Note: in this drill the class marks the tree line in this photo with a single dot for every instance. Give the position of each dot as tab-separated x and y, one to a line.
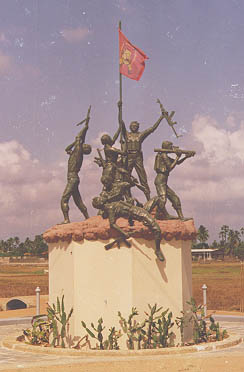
15	248
230	242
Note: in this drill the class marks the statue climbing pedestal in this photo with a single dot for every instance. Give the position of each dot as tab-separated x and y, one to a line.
99	283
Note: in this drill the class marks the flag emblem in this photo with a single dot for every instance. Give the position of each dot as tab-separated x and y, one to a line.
132	59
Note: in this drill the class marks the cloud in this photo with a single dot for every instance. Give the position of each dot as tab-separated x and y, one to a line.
75	35
124	6
19	72
218	143
27	189
3	39
30	191
210	185
96	142
230	121
6	63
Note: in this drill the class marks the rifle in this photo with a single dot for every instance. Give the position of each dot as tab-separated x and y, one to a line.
169	118
120	239
134	182
87	117
100	159
176	150
129	178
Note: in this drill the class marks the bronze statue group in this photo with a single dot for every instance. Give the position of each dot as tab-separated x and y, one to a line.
116	199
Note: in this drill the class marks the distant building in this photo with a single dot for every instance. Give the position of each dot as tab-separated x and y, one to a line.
207	254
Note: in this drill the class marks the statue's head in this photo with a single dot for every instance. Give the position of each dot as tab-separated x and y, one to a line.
134	126
106	140
167	145
98	202
86	149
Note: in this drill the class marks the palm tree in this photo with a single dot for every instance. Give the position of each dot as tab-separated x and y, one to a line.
223	234
242	231
233	241
202	234
28	245
40	246
10	245
2	245
215	245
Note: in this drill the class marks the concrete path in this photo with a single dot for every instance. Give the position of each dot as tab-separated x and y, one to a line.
13	360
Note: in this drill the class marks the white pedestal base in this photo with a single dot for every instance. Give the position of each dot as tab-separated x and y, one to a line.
99	283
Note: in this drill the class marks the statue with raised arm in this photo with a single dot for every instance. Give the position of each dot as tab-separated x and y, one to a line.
163	165
113	206
133	143
111	153
75	150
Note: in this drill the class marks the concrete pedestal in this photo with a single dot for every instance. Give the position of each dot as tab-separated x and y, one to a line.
99	283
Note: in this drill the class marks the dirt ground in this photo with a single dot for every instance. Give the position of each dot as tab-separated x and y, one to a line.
22	280
221	278
225	362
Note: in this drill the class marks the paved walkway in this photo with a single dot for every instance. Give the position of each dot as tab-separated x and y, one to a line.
12	360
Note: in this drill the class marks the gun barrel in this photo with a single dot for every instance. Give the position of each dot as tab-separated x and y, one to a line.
109	245
101	158
87	117
81	122
175	151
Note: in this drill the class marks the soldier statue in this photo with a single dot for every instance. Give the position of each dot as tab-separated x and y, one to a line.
110	165
113	165
75	150
133	141
113	206
163	166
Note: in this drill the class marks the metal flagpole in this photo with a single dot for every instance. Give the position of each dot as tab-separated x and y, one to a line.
122	142
120	75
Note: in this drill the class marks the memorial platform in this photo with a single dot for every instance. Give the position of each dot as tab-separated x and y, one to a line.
99	283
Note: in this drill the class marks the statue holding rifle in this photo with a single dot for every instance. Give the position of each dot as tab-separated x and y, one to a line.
163	166
75	150
133	141
110	163
113	165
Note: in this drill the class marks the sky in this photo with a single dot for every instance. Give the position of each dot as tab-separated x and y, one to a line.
57	57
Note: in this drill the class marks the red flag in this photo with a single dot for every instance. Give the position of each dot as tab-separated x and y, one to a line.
131	58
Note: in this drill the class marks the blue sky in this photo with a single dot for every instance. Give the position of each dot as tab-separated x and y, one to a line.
58	57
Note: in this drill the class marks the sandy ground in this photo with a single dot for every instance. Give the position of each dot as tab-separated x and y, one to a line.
204	363
228	360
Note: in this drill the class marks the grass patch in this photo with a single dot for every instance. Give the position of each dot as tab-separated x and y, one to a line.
223	282
22	269
22	280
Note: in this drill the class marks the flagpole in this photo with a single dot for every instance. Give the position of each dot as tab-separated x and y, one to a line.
120	75
120	95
